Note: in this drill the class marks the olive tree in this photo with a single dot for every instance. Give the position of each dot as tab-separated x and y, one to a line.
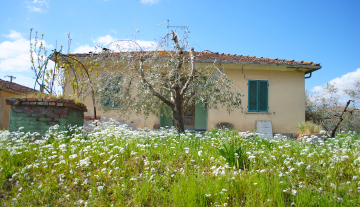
165	77
326	109
354	92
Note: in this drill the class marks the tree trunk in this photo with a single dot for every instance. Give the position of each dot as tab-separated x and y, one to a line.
340	119
178	119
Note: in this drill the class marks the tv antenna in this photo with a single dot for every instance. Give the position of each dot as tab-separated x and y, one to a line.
11	77
167	34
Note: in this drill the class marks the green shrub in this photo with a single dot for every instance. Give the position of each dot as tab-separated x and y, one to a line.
232	151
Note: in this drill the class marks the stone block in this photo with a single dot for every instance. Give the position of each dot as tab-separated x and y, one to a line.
43	103
31	99
63	116
60	111
51	115
69	105
17	110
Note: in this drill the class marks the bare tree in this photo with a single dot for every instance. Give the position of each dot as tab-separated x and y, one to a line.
354	92
326	109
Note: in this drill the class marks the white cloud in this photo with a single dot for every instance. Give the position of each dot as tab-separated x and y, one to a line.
84	49
118	45
37	5
131	45
34	9
13	35
147	45
14	54
25	80
18	63
13	48
348	80
112	30
149	1
107	39
317	89
40	2
344	82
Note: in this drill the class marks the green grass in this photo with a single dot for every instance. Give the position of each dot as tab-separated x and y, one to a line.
113	166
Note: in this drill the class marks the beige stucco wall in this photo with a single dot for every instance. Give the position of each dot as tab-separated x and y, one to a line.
137	122
5	109
286	100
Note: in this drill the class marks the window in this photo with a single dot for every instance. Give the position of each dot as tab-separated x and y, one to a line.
258	95
112	84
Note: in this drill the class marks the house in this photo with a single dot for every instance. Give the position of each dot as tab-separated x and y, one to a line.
10	90
273	89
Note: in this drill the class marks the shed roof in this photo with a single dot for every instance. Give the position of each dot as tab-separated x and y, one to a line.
15	87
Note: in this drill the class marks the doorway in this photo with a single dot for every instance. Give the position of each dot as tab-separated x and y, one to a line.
189	118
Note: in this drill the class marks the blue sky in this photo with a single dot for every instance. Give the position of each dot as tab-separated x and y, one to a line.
326	32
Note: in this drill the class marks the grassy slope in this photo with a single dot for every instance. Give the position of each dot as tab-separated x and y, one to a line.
114	166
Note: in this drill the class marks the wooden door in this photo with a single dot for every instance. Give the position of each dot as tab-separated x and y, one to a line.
189	117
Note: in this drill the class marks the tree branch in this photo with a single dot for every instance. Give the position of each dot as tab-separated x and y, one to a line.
218	68
150	87
191	77
340	119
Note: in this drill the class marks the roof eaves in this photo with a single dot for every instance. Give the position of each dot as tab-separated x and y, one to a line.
210	57
7	89
314	67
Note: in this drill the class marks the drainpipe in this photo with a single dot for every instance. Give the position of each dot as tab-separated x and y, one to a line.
308	76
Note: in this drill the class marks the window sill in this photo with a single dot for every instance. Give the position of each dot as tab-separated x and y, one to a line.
248	112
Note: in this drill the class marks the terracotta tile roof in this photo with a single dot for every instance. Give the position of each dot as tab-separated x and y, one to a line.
15	87
211	56
242	58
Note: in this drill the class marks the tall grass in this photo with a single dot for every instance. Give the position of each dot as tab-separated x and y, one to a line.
308	128
114	166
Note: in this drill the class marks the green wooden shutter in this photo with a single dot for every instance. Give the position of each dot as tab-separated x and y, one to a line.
263	96
253	95
165	120
201	117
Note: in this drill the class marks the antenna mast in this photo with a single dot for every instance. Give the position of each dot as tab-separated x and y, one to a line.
11	77
167	34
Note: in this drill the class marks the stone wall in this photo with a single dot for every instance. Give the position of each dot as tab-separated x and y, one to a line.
38	114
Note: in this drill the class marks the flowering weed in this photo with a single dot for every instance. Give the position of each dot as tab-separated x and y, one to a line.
112	165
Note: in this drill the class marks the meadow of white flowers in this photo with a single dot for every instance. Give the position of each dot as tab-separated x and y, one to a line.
111	165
